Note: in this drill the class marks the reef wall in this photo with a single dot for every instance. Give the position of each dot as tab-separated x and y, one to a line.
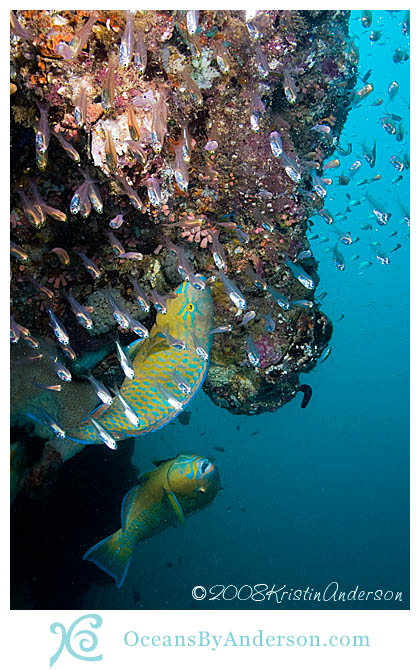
200	139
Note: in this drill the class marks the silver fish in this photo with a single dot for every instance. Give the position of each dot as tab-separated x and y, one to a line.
100	390
252	351
127	408
124	361
104	435
59	330
233	292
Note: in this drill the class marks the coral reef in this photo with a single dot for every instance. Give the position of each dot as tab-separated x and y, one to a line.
209	133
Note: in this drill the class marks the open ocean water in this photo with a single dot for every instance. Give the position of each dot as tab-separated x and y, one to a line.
315	496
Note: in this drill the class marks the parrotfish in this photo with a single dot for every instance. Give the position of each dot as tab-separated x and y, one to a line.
176	488
189	318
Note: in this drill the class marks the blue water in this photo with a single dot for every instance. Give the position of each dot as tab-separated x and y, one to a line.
321	494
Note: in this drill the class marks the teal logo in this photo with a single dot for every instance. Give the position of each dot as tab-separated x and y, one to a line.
84	640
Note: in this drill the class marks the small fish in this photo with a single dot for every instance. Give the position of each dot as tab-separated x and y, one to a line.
279	298
325	354
375	35
110	150
289	87
269	323
199	348
364	264
169	397
398	246
128	410
377	102
379	211
62	255
58	328
252	352
193	17
182	383
276	144
222	58
366	76
322	296
127	40
335	163
299	273
141	297
344	152
62	372
153	191
104	435
80	109
218	252
256	278
131	256
89	265
338	259
173	341
119	314
47	387
306	304
399	135
247	318
159	302
380	253
291	168
131	193
140	52
370	154
366	18
388	125
355	257
33	215
116	244
405	28
221	329
343	180
321	128
393	89
397	163
326	215
47	420
124	361
233	291
82	314
220	449
400	55
18	252
108	86
68	148
43	132
307	394
100	390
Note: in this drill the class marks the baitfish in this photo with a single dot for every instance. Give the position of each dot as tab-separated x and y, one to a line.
189	318
177	488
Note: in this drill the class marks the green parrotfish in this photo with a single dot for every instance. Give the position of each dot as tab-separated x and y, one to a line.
178	487
155	393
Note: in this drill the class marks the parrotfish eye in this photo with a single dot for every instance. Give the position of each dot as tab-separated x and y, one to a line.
190	307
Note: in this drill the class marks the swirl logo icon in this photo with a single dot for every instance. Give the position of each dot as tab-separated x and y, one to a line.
84	640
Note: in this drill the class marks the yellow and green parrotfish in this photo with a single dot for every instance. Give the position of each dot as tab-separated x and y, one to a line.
153	392
163	497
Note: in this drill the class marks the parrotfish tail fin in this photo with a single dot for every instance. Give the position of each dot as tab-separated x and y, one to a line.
113	555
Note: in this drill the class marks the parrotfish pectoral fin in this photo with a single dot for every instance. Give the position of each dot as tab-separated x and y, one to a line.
126	505
133	348
176	507
113	555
